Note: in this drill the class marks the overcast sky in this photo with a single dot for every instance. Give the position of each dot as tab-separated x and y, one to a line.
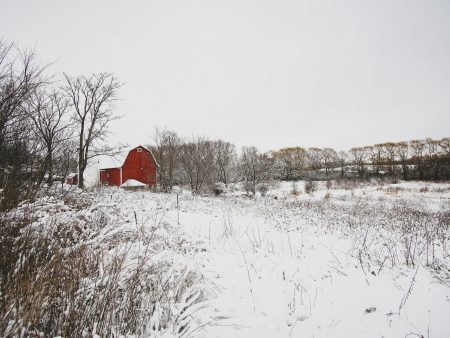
268	73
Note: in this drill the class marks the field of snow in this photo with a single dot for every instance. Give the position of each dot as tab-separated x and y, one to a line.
356	260
302	266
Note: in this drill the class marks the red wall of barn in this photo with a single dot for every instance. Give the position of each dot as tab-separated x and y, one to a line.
139	166
110	176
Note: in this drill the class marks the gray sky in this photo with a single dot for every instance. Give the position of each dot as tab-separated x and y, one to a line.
263	72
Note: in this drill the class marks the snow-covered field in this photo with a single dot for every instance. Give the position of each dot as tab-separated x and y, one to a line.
292	266
363	260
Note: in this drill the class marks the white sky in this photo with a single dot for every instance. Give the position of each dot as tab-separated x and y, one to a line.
263	72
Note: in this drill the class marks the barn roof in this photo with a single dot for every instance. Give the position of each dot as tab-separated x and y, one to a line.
118	159
113	161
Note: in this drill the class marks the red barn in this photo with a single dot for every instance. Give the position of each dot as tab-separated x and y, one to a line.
139	165
72	179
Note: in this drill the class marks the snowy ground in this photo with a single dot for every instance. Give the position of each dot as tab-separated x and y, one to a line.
286	268
351	261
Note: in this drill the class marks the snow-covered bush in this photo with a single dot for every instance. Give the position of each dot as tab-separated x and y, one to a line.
263	188
219	188
248	187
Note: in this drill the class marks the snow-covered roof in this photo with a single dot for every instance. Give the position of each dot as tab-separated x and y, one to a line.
117	160
113	161
132	183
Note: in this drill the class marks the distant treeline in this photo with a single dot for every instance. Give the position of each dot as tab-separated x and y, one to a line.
203	163
417	159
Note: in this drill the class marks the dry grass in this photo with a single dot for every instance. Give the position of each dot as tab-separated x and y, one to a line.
51	285
310	186
384	232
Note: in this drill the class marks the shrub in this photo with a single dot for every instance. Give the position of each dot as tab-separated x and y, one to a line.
219	188
263	188
310	186
248	187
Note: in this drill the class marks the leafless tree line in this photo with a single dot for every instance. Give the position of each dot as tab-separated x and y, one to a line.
202	163
416	159
47	128
197	162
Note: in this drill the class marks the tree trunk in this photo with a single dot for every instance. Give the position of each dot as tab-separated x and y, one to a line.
50	169
81	169
80	178
436	170
420	169
405	172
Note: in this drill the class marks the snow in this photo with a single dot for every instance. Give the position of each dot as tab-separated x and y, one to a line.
116	161
283	265
282	275
133	183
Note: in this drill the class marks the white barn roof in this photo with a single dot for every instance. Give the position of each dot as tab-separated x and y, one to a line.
113	161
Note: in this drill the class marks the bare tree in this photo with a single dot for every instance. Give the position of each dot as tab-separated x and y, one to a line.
418	149
197	163
432	151
342	161
255	167
18	81
375	155
445	146
93	102
49	115
315	158
290	162
330	159
403	153
66	159
389	155
359	157
20	77
225	158
167	144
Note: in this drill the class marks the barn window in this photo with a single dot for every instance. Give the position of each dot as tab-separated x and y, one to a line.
139	150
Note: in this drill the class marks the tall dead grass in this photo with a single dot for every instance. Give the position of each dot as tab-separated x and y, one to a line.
57	280
384	232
